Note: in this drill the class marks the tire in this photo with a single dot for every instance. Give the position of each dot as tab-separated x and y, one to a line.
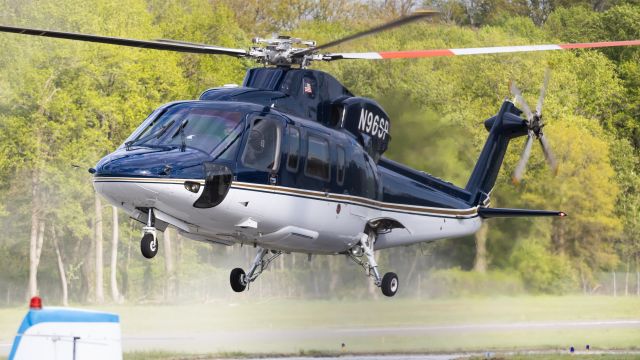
237	280
149	246
389	284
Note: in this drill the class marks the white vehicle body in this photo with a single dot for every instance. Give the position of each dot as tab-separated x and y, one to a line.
281	218
62	333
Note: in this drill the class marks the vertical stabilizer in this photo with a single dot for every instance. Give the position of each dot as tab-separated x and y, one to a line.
503	127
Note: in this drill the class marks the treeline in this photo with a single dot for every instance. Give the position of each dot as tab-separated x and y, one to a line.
64	105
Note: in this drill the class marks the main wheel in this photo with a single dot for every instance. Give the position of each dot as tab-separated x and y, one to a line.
238	280
389	284
149	246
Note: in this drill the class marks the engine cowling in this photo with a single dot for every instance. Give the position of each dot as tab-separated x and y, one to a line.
365	119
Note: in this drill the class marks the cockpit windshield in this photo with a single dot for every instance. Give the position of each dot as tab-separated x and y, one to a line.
195	125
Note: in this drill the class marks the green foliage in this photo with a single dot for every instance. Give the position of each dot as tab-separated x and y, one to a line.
585	187
459	283
541	270
66	103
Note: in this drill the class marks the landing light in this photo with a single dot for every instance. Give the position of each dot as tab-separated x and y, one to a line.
357	251
192	186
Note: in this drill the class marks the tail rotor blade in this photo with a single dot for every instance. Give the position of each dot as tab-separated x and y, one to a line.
522	163
521	101
543	90
551	159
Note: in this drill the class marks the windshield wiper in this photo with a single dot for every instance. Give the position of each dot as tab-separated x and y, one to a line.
157	134
182	136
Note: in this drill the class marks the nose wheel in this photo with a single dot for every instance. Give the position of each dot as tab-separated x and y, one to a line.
149	245
240	281
149	242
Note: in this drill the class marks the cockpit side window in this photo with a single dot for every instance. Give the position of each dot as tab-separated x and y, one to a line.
317	164
293	153
262	150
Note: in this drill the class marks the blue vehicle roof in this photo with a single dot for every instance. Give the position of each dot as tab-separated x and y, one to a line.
59	315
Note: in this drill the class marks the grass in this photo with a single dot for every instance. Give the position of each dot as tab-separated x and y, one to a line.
564	356
249	325
173	356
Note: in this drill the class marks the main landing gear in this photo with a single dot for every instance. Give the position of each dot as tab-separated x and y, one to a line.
240	281
389	282
149	242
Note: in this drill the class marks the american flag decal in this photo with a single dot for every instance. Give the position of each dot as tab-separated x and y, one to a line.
307	87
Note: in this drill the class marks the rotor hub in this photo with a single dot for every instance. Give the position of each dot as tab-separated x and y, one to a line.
280	50
536	124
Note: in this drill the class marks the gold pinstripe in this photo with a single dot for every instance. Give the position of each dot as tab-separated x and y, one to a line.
469	212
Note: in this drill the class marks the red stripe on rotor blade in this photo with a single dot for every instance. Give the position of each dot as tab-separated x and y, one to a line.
600	44
415	54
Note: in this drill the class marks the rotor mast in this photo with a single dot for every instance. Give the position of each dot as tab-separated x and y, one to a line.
279	51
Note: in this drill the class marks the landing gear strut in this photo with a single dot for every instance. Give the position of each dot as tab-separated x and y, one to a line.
149	242
240	281
389	282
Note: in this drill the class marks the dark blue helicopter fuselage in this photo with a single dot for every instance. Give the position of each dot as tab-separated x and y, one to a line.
386	181
322	130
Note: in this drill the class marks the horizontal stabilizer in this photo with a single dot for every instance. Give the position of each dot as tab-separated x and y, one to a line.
502	212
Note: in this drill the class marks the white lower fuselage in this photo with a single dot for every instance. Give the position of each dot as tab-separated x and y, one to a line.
283	218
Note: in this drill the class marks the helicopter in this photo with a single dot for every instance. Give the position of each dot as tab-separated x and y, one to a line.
292	162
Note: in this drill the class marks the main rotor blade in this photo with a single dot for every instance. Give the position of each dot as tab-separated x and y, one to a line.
145	44
521	101
543	90
474	51
548	154
524	159
390	25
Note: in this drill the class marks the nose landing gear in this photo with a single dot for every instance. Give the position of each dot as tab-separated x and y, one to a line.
240	281
149	242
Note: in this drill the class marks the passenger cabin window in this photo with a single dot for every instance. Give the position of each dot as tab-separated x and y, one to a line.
340	166
317	165
262	149
293	153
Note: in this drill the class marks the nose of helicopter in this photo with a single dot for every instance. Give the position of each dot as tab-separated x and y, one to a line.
146	177
153	163
139	178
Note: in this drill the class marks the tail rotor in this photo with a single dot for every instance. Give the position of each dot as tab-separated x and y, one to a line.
535	124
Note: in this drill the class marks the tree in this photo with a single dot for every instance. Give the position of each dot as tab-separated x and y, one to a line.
99	253
115	238
68	103
480	263
63	276
170	275
586	185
